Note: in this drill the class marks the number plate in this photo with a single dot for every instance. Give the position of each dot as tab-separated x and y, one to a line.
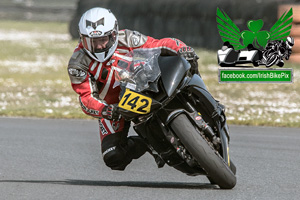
135	102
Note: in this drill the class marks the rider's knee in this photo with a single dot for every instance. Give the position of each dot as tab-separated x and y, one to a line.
115	158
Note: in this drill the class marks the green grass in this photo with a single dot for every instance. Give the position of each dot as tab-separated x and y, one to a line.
33	71
35	27
34	80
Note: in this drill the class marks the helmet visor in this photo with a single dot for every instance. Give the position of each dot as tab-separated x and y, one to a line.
99	44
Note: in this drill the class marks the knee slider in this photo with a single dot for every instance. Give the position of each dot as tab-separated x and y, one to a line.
115	158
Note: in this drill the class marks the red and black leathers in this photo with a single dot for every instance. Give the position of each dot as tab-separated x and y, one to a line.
95	83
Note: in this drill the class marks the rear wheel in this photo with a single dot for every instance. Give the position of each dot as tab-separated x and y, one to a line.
209	159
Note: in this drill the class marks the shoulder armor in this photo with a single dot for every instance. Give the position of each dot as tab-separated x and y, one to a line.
130	38
78	66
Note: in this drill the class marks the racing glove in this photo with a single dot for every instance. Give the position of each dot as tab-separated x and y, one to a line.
110	112
189	54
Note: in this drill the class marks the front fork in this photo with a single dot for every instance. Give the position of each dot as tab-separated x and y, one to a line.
222	140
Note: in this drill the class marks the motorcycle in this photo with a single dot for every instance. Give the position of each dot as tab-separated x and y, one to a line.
273	56
175	114
276	51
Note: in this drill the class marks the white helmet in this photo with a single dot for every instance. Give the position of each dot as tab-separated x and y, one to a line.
290	42
98	29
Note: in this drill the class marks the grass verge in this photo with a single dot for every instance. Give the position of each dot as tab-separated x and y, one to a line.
34	80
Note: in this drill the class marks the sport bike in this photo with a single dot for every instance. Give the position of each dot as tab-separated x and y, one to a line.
175	114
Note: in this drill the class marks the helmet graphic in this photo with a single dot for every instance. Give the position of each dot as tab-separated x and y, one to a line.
290	42
98	29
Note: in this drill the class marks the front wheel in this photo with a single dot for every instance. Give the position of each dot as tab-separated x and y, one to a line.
206	156
272	60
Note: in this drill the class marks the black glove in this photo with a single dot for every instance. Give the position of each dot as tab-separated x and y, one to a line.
110	112
189	54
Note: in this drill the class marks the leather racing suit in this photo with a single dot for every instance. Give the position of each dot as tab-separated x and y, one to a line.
95	83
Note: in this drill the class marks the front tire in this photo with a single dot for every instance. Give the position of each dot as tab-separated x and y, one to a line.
272	60
206	156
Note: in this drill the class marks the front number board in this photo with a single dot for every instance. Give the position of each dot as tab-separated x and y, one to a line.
135	102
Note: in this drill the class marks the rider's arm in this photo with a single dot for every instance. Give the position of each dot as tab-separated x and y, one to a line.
168	46
84	85
133	39
173	46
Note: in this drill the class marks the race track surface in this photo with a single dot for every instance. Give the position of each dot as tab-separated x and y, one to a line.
60	159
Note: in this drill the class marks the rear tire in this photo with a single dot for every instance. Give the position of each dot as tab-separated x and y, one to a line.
206	156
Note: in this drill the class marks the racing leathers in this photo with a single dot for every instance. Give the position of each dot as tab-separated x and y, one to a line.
96	85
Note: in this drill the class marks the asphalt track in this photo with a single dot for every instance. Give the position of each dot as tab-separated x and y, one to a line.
60	159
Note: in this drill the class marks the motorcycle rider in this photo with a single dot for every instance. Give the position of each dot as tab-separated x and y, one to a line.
91	70
277	47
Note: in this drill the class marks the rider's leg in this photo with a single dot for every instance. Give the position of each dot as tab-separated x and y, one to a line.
118	150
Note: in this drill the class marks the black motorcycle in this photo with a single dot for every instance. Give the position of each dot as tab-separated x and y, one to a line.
175	114
276	51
